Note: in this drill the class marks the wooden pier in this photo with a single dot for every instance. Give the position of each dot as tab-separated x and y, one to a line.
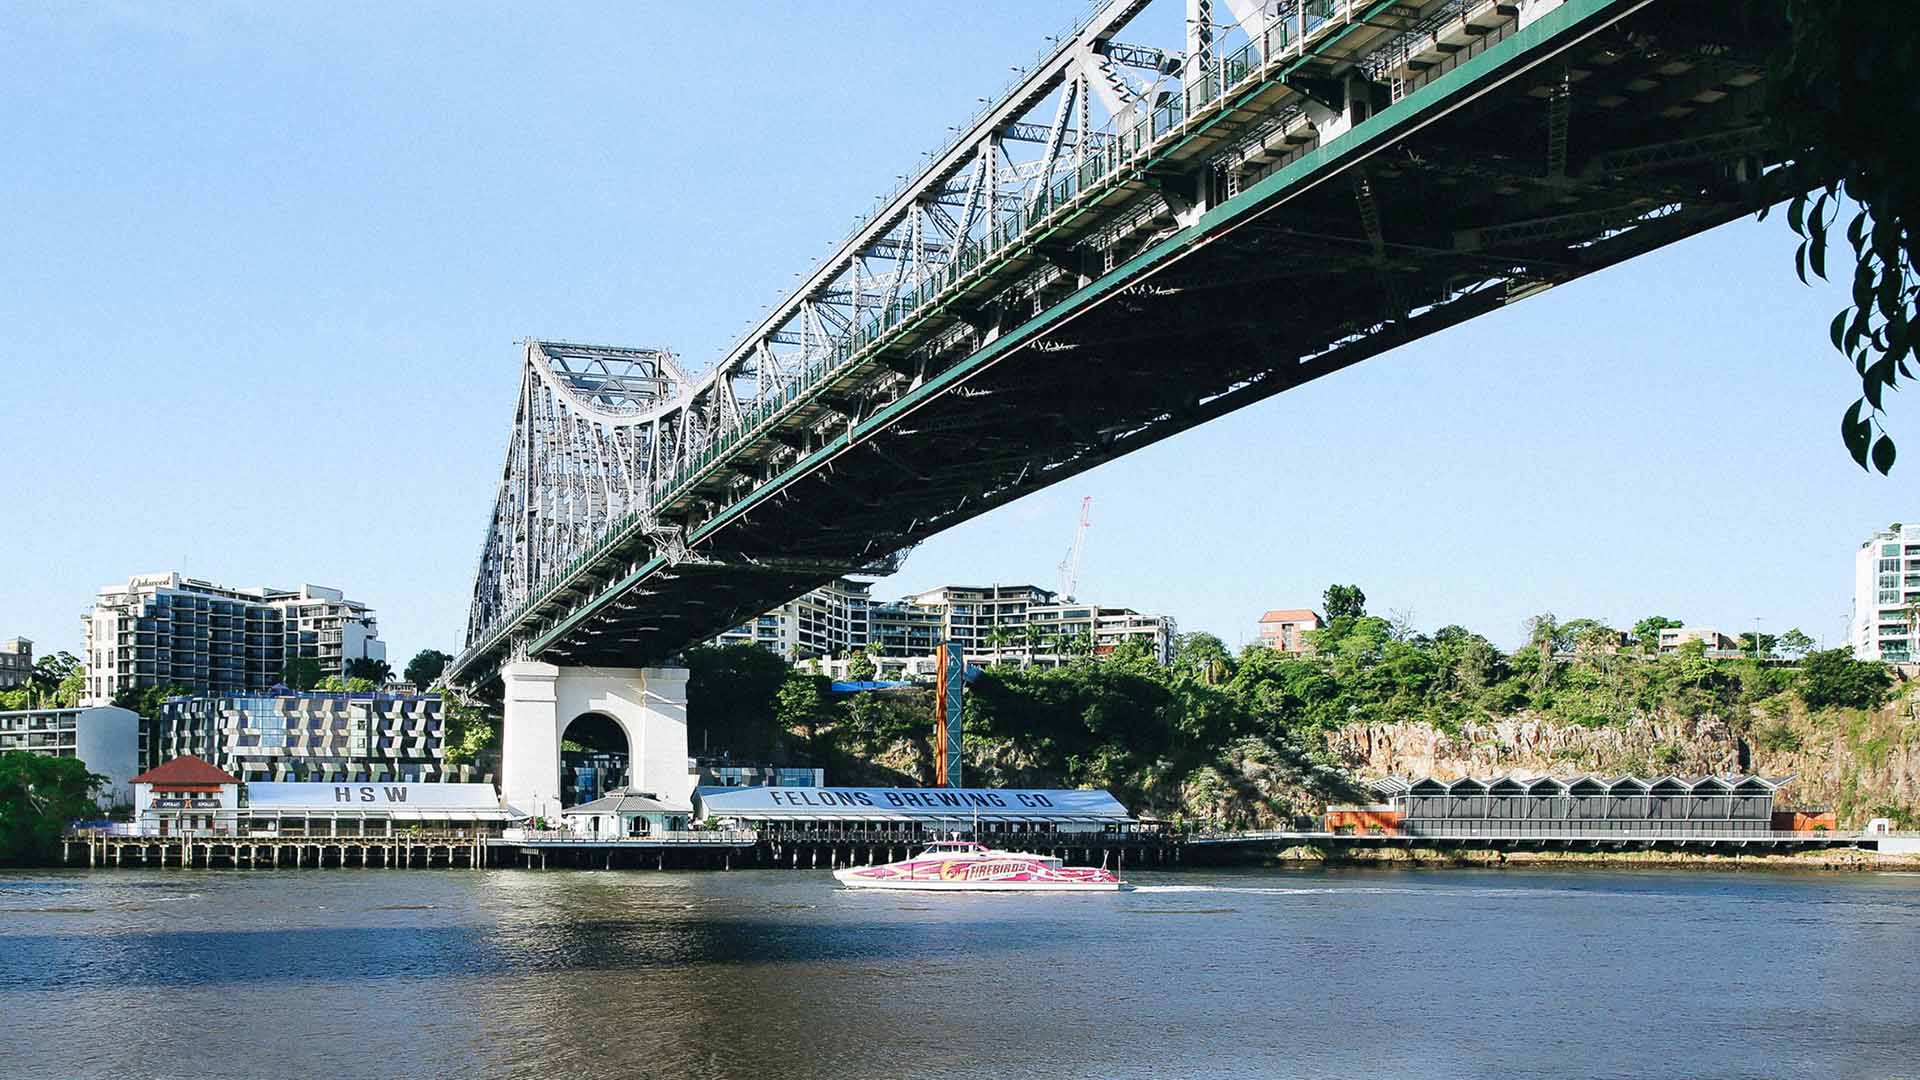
418	850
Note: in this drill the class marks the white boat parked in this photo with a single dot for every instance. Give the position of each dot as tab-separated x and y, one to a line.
958	865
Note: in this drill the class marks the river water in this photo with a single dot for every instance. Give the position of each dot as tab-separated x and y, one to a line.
780	974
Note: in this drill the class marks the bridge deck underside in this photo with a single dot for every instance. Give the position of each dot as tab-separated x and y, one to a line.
1447	216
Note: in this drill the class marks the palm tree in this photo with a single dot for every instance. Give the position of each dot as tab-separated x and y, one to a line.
998	639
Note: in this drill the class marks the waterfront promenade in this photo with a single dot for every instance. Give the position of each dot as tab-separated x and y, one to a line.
728	849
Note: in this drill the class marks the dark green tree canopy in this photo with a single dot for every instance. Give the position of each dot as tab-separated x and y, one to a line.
301	673
426	666
1344	602
39	797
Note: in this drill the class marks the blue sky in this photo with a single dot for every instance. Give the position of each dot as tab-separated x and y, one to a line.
262	268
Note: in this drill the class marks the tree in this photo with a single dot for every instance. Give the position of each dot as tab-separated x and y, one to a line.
373	670
802	703
149	701
51	673
1840	87
426	666
1646	632
730	700
1832	677
1795	643
300	673
1204	656
1763	649
862	668
1344	602
39	797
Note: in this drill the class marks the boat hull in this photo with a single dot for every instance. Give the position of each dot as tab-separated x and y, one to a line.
901	884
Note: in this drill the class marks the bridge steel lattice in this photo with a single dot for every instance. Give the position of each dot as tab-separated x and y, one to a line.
1135	238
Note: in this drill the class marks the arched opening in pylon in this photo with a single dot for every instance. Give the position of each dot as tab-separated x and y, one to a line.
595	758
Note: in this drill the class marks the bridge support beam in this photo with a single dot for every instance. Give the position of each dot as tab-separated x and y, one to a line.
649	705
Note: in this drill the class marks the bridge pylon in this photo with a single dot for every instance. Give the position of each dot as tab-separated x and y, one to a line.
649	705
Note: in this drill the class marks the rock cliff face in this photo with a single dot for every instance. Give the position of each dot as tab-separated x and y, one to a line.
1860	764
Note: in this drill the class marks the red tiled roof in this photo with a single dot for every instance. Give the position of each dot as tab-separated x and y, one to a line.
1290	615
184	770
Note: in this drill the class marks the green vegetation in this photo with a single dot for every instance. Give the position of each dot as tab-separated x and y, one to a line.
148	701
1227	739
472	732
373	671
39	797
426	666
301	673
58	682
1839	93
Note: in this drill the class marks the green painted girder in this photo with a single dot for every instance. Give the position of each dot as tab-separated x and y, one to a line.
1512	56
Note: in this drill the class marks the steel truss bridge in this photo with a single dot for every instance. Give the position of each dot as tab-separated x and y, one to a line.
1141	234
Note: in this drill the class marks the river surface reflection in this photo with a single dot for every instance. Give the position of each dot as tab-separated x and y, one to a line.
781	974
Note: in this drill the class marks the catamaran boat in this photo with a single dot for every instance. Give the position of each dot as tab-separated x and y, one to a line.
957	865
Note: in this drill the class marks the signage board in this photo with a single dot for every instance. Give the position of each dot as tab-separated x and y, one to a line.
185	802
932	803
362	796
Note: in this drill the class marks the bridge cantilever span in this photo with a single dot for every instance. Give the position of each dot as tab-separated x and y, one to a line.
1287	191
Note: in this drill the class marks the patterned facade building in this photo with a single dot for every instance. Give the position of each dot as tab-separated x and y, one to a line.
312	737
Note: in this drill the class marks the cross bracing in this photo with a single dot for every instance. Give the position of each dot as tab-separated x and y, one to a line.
1173	249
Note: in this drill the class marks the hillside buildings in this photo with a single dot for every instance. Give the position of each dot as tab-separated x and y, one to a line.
165	628
1285	629
1013	623
16	663
1714	644
1886	596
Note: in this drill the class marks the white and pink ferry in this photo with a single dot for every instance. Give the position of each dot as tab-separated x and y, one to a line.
958	865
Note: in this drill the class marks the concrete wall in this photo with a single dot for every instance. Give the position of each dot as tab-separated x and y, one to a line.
649	705
107	741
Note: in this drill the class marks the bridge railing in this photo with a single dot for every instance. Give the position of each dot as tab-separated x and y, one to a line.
1276	45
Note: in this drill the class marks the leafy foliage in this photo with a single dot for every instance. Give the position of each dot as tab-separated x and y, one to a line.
1344	602
1841	98
300	673
1832	677
426	666
149	701
370	669
39	796
730	695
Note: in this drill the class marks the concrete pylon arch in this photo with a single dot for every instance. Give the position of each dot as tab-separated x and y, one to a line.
542	700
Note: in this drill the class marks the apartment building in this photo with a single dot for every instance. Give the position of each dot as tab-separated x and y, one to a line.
16	663
105	739
1886	596
902	630
991	623
308	737
1286	629
833	620
166	628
